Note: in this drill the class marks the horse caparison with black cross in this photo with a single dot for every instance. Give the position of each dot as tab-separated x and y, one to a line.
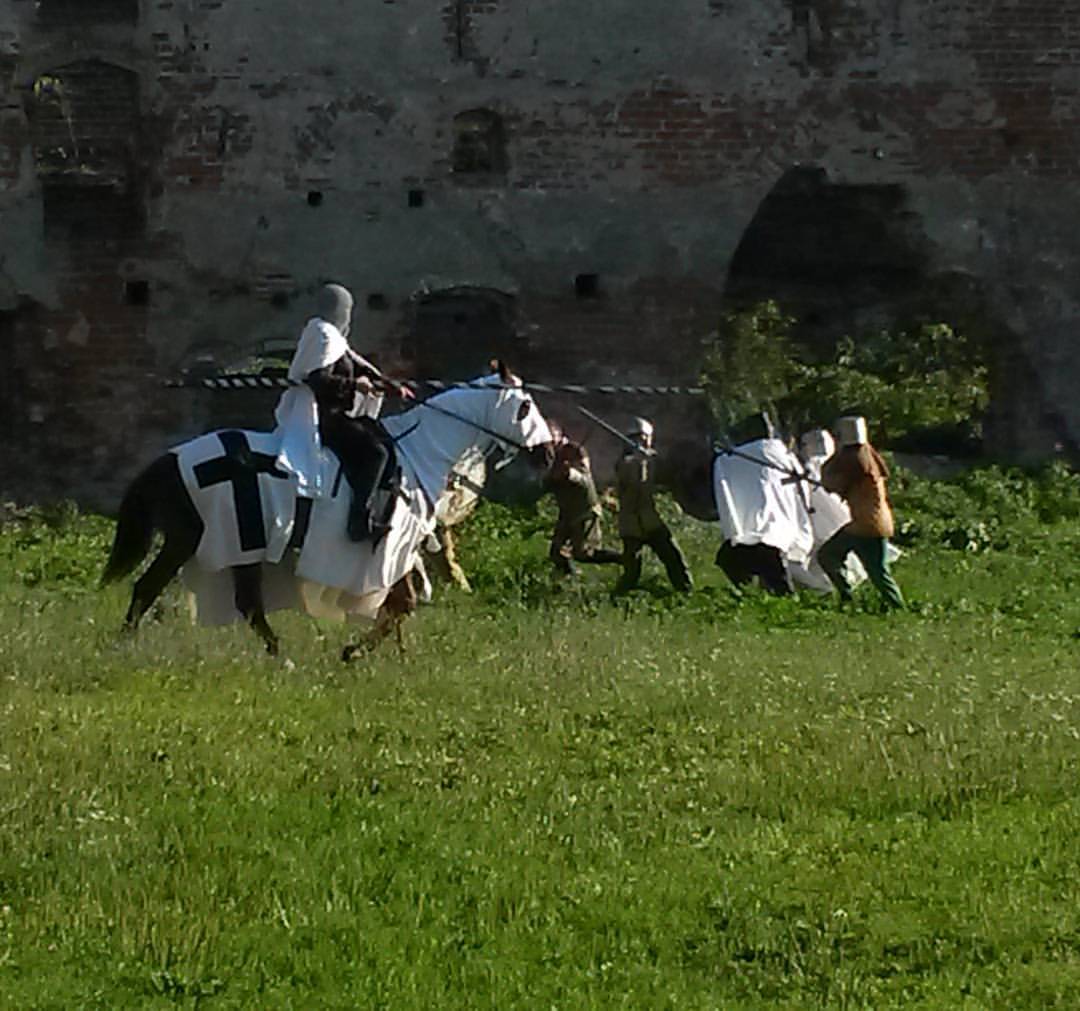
318	563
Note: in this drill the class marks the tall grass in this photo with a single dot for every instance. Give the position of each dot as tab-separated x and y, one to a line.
554	799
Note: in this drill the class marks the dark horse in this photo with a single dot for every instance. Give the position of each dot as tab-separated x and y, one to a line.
448	426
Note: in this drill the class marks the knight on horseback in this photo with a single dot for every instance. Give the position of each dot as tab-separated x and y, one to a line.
335	405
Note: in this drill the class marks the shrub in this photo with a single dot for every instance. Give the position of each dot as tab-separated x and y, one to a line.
928	380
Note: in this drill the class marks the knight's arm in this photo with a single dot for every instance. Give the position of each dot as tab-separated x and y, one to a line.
334	383
364	369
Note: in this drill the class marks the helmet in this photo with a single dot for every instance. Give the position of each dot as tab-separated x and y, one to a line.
639	427
817	442
335	304
851	430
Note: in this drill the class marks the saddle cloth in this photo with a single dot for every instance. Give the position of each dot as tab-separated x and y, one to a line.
248	506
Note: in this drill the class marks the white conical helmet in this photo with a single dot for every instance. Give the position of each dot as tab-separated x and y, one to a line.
851	430
817	442
640	426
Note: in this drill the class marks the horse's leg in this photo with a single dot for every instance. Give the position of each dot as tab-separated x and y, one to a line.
399	604
247	583
449	550
179	546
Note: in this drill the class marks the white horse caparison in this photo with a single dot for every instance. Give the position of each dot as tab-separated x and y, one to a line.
328	576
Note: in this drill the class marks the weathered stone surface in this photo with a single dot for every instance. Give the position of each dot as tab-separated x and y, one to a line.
177	177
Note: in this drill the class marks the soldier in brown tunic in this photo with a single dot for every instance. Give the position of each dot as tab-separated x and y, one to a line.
578	532
639	522
858	474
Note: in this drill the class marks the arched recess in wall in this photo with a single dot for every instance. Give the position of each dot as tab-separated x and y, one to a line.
852	259
84	121
836	255
453	333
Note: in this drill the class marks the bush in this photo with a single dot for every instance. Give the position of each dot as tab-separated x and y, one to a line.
906	383
990	508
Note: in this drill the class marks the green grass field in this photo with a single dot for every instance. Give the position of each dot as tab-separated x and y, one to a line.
555	800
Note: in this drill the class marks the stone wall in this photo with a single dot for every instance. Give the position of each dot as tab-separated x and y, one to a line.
589	184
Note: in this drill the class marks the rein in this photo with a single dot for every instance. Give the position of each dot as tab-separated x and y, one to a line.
472	424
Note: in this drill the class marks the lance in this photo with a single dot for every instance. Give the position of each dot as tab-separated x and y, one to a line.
793	477
612	430
256	381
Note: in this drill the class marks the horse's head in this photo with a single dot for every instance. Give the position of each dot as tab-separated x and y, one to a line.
515	415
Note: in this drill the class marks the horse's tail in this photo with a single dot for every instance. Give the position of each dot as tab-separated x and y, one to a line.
135	524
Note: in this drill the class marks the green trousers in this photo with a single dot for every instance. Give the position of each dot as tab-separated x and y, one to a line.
663	544
872	552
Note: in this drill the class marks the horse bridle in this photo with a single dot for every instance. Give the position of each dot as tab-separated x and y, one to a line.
468	421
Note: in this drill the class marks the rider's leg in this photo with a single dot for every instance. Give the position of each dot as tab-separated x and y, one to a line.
363	457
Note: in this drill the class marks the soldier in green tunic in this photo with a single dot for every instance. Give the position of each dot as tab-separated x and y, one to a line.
639	522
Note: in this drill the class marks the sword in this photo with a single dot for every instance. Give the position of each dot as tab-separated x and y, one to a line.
793	477
612	430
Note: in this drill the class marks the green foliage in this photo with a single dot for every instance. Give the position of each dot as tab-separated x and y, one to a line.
905	383
985	508
751	365
54	546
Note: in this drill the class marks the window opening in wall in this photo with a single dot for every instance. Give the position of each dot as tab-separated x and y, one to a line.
455	332
79	13
416	198
378	302
587	285
84	124
479	143
137	292
314	198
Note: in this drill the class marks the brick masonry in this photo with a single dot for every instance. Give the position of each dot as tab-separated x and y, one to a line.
226	157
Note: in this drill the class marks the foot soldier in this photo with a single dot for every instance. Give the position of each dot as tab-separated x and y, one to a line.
639	522
578	532
858	474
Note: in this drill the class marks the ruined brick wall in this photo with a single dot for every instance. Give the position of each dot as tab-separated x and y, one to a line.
177	177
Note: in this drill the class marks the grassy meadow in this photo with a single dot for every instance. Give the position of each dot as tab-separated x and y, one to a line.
556	800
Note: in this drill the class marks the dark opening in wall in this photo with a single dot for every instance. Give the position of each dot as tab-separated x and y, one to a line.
85	130
416	198
479	143
83	213
454	333
314	198
587	285
137	292
80	13
378	302
829	251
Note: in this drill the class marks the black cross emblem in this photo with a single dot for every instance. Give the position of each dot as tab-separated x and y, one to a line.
241	467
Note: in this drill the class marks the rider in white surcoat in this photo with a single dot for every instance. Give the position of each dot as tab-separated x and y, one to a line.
322	344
